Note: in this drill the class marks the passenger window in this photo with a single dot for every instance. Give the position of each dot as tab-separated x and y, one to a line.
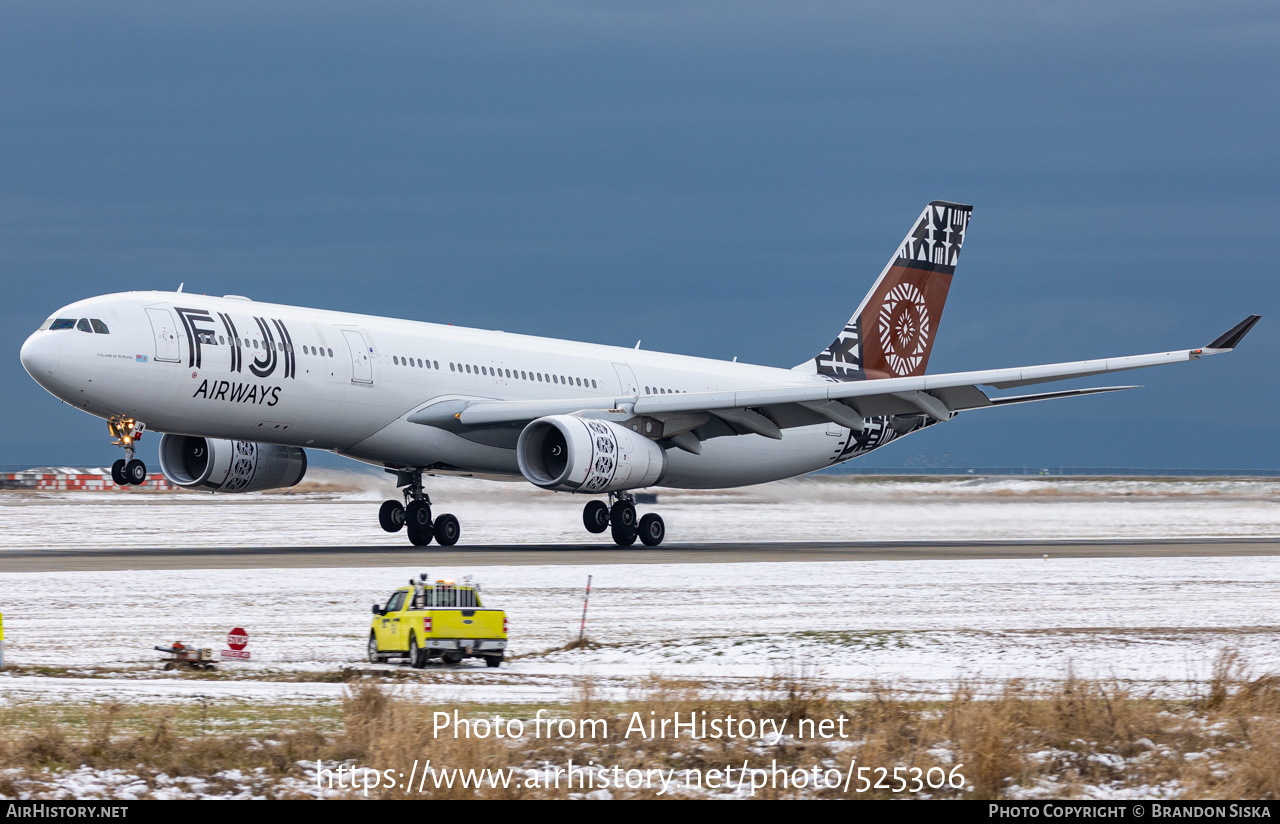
593	384
83	325
396	601
99	326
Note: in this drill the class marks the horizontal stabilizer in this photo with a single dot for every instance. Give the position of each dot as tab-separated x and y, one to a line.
1231	338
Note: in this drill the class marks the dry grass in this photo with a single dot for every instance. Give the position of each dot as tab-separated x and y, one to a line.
1069	739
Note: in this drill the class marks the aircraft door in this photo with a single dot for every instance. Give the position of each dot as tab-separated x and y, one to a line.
361	361
165	334
627	378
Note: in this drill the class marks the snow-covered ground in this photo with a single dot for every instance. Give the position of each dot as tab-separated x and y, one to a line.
1146	620
341	509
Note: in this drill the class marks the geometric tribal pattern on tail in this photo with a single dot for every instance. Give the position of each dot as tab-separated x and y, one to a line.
892	333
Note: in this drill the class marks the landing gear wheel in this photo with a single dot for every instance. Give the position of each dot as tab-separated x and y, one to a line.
135	472
452	656
418	536
117	473
595	516
622	523
417	657
652	529
374	658
493	660
447	530
417	513
391	516
417	517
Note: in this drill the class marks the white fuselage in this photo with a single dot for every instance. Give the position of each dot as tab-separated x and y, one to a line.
348	383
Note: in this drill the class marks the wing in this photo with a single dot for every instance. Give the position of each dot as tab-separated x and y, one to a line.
847	403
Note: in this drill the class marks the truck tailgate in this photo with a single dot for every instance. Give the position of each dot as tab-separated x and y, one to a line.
466	623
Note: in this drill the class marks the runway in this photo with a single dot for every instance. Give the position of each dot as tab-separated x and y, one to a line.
288	557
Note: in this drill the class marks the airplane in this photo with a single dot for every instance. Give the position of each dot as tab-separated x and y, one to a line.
240	389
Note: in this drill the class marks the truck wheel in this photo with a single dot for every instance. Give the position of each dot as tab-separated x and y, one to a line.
374	658
493	660
417	659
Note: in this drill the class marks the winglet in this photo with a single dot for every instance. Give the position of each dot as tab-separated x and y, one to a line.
1231	338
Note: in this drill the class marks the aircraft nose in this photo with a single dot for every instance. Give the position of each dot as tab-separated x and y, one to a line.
41	355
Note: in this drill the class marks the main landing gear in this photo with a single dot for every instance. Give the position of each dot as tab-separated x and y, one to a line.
414	516
620	519
128	470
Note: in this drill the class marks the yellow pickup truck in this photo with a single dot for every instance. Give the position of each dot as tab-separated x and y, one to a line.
441	619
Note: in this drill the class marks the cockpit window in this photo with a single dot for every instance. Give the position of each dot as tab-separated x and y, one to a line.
60	323
83	325
99	326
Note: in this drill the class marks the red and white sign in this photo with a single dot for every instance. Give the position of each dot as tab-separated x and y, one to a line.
237	639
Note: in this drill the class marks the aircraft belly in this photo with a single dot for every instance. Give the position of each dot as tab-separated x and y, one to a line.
411	444
744	460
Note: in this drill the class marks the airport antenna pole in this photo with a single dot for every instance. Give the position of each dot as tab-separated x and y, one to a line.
582	629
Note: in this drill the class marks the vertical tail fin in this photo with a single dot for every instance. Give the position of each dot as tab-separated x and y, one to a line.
892	333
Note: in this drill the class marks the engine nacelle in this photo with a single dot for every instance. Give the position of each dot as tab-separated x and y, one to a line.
229	466
566	453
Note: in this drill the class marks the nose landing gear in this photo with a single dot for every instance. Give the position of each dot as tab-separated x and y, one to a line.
414	516
127	432
620	520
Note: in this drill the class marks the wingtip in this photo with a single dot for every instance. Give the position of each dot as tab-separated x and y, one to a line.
1232	337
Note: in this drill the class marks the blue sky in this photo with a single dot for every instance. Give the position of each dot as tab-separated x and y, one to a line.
717	179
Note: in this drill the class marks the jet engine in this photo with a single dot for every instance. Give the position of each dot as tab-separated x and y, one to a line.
229	466
565	453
